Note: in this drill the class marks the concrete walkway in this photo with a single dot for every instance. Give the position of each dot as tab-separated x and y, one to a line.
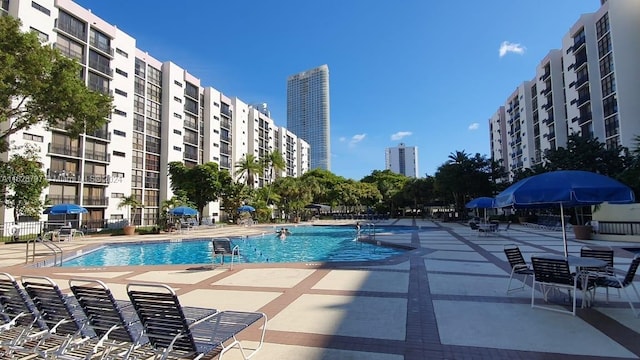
446	299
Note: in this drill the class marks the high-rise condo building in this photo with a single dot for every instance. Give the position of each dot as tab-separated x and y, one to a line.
587	87
162	113
308	113
402	160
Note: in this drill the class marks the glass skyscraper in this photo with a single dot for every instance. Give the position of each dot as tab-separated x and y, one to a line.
308	113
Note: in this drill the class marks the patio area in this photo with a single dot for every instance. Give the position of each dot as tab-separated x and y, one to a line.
444	300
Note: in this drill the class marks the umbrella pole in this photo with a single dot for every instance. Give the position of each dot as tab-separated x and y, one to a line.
564	232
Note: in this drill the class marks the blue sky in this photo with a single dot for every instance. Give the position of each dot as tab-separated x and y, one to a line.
426	73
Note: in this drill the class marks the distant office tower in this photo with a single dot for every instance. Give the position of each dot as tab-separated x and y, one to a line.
402	160
308	113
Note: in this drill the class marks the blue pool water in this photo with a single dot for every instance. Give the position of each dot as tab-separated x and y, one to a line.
309	243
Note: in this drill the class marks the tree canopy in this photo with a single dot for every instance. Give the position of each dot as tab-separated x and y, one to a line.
201	184
40	85
22	182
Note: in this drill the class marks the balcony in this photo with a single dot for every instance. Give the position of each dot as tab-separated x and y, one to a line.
581	81
580	60
62	199
103	69
100	134
98	156
190	124
577	43
62	176
64	150
95	201
583	99
191	156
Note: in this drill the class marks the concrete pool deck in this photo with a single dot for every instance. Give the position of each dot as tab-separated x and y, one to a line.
444	300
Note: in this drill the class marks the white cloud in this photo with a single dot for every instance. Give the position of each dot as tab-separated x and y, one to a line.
474	126
400	134
508	47
342	139
356	139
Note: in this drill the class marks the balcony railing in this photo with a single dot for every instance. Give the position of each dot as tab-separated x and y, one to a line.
63	150
96	178
578	42
98	156
581	80
61	199
101	134
95	201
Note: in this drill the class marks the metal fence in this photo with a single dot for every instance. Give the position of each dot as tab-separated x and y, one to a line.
27	230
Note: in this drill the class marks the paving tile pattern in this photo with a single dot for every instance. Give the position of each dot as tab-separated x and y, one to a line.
443	300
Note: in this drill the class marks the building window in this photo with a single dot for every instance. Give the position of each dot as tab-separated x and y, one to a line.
176	131
177	99
72	26
98	83
177	148
70	48
122	52
116	174
119	112
42	36
176	115
177	83
153	110
154	92
140	68
154	76
40	8
138	141
32	137
100	41
116	195
152	144
138	122
122	72
119	153
602	26
119	133
608	85
152	162
120	92
153	127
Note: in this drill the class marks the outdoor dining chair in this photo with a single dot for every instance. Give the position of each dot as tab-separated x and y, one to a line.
623	283
554	273
518	266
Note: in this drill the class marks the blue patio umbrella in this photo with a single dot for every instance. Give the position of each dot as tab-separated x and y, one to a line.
565	188
246	208
64	209
183	211
482	203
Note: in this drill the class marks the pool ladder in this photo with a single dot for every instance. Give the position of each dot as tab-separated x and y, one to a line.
369	229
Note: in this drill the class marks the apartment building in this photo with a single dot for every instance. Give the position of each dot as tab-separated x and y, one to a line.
162	113
589	87
402	159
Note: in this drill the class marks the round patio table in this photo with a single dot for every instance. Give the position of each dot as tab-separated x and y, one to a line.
581	262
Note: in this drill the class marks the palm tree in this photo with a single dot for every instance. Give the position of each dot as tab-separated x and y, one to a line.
274	162
130	202
458	157
248	166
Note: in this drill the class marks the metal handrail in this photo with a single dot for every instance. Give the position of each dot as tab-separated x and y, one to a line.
55	250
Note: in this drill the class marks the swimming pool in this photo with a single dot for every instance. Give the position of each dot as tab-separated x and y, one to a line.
305	244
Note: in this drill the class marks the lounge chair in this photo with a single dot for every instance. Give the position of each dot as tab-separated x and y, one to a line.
19	316
170	334
66	326
114	322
